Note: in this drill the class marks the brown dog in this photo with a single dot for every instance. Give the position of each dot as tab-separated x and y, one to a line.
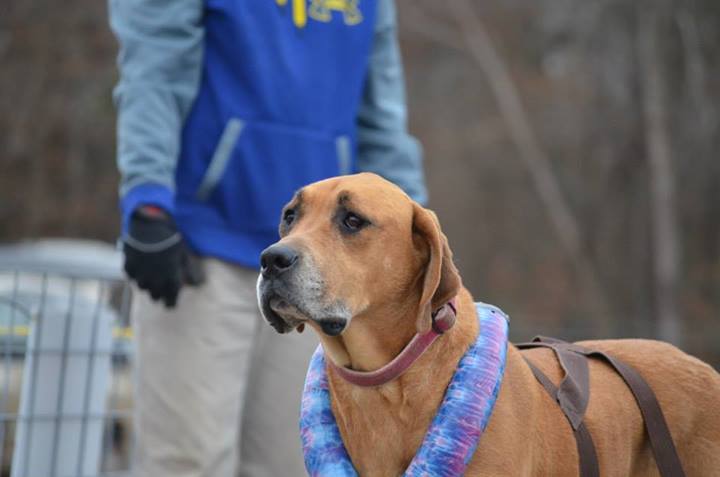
364	265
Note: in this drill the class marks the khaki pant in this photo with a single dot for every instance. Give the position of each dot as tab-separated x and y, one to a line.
217	389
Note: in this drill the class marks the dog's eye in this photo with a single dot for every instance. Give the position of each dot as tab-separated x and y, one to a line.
289	216
353	222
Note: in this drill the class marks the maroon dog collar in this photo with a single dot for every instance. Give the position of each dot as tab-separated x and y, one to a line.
442	320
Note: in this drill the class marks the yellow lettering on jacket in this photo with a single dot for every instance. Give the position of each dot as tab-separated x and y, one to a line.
322	11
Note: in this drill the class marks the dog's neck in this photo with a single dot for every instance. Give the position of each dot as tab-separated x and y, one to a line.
396	414
440	320
372	340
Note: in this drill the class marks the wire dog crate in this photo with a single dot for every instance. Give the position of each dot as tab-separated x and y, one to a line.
66	352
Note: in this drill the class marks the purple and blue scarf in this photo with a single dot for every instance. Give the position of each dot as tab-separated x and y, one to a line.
456	429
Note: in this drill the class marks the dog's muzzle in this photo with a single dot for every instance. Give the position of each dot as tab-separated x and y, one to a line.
276	265
290	292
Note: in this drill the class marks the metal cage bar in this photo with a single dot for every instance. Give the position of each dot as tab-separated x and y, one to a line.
83	312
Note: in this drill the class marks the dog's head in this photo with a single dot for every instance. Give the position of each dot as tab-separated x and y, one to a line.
351	248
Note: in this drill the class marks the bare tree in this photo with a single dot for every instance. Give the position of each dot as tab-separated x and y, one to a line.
476	41
652	26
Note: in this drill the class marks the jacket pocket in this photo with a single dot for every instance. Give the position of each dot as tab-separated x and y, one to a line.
257	167
219	160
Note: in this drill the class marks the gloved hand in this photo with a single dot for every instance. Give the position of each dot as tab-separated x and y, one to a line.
156	256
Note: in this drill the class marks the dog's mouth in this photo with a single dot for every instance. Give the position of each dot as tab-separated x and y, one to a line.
285	316
286	310
280	314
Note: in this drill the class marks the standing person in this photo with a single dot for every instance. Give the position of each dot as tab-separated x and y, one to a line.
225	108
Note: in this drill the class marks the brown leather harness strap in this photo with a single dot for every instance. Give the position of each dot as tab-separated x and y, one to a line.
661	442
573	395
583	439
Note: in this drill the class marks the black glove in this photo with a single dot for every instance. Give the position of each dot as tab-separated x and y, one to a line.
156	256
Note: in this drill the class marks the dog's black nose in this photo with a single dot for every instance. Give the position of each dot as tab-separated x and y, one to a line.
277	259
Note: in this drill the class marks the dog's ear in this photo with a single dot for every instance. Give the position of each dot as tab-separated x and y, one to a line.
441	281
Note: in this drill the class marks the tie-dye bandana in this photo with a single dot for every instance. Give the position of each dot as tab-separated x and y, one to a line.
455	431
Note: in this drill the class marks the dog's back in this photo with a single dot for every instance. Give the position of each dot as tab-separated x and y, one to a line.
687	389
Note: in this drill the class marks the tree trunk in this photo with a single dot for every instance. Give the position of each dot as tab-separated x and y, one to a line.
480	46
666	250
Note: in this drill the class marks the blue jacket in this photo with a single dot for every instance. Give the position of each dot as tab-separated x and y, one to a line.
226	107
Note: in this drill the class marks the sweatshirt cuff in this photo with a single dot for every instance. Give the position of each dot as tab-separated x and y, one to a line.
146	194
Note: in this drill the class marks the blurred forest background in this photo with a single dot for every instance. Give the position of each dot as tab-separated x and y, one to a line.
571	151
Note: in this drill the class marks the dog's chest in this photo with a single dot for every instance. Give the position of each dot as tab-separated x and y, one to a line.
382	430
